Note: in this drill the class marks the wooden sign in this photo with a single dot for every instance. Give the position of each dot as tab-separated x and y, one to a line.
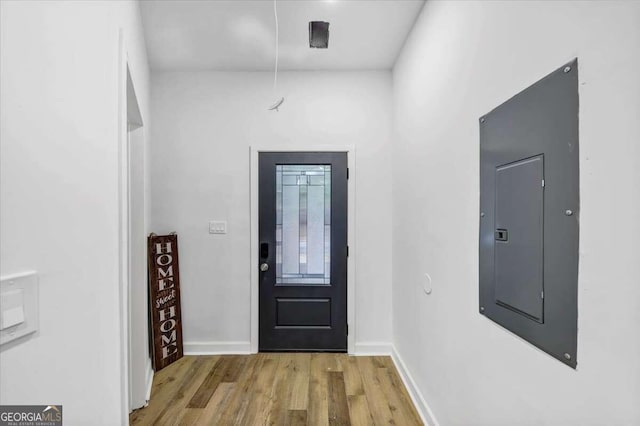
164	299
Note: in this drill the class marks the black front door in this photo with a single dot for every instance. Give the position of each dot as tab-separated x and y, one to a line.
303	251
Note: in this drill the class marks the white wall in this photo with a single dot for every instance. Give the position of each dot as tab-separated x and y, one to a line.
59	142
204	124
461	60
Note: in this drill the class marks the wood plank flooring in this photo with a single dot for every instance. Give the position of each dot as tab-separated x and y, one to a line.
278	389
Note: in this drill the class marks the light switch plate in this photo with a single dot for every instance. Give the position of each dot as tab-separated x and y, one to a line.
12	304
18	306
218	227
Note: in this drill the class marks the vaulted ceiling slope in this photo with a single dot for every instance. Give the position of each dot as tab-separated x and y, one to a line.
240	35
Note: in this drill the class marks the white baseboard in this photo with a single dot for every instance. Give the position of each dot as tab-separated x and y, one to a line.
416	396
242	348
217	348
372	348
149	380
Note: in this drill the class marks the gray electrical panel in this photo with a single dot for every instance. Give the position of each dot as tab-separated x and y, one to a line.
529	206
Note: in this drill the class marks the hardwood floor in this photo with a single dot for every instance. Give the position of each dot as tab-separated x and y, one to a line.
278	389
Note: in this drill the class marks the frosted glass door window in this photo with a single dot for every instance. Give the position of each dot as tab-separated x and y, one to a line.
303	224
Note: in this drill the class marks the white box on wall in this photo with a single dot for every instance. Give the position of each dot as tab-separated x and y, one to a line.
18	306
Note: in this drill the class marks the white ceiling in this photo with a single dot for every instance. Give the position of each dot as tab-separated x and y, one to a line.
240	35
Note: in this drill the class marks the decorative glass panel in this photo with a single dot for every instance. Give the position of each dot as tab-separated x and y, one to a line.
303	224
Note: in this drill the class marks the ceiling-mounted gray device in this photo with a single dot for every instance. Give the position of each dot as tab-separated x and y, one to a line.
319	34
529	214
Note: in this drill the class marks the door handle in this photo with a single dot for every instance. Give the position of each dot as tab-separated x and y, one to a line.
264	267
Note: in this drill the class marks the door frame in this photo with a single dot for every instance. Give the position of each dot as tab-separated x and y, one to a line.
130	130
139	362
123	225
254	154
